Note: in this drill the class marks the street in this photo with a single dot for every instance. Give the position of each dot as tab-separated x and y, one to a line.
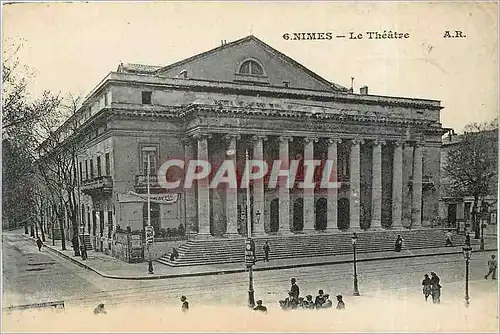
31	276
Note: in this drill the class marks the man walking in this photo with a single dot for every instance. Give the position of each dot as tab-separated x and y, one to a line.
435	288
267	249
448	239
39	243
294	289
492	266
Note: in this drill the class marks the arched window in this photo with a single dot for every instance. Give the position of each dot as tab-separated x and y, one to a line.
251	67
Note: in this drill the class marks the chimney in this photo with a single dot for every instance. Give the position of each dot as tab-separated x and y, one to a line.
363	90
352	85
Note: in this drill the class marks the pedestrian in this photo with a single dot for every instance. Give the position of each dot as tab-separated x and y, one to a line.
290	302
294	289
100	309
467	239
84	251
328	302
260	307
435	288
185	304
448	239
267	249
39	243
398	244
320	299
308	303
340	303
74	244
174	255
426	289
492	267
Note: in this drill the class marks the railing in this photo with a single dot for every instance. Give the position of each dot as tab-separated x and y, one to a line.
142	180
104	183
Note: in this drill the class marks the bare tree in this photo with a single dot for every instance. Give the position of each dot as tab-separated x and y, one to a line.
472	165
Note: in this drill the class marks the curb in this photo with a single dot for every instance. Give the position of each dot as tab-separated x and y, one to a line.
235	271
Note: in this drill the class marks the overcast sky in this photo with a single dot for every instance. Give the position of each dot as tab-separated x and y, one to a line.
71	47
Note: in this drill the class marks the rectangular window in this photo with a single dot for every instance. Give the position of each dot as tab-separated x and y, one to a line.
98	162
146	97
108	164
86	169
91	169
152	152
81	171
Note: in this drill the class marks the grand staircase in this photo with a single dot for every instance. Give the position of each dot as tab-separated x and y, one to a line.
231	250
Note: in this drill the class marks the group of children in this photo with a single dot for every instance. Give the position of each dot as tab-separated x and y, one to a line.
322	300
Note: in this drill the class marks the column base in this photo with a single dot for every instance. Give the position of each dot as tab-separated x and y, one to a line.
259	234
204	236
284	233
232	235
332	230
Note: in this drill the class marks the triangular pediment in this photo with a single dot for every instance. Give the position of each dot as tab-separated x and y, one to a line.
239	62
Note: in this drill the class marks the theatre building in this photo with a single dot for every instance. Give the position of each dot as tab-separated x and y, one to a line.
246	96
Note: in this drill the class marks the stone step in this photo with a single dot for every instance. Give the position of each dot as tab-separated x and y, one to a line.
231	250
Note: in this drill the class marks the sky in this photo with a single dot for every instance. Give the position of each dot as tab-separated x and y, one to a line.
70	47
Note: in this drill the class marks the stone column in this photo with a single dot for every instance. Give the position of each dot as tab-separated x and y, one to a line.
397	185
189	193
231	192
258	188
355	186
417	186
332	192
283	191
376	222
203	190
308	193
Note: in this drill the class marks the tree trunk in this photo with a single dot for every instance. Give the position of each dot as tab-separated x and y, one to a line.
42	231
53	239
26	228
32	230
76	241
475	218
36	228
61	227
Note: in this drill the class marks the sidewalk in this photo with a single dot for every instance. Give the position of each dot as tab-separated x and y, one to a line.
110	267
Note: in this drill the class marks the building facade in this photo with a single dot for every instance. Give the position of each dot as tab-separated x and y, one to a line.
455	211
243	97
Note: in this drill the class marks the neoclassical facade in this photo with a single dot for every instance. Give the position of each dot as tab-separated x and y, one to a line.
243	97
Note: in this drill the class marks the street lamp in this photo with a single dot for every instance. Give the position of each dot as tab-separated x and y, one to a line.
150	261
250	245
354	241
467	255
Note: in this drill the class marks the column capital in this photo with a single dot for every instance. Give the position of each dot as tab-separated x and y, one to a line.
285	138
202	135
259	137
378	142
230	137
357	141
333	140
311	139
398	142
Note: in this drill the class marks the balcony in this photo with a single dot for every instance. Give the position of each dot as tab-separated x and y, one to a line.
101	184
141	183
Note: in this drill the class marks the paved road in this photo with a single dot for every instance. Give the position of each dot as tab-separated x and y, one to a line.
31	276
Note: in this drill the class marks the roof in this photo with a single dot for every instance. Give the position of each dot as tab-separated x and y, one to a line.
265	46
137	68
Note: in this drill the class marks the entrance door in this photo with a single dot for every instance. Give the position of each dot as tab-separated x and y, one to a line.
274	215
321	214
298	214
343	214
155	216
452	214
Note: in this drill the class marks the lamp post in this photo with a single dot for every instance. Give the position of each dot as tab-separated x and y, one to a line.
150	261
467	255
354	241
250	243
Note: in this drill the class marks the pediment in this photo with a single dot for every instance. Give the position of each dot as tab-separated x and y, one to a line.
248	60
